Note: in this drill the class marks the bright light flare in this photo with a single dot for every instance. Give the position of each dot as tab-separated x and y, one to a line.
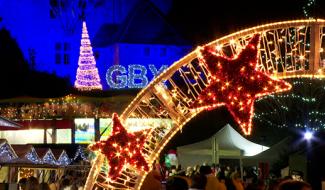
308	135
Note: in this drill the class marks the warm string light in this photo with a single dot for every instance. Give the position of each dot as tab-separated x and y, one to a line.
122	148
236	83
65	107
26	172
87	73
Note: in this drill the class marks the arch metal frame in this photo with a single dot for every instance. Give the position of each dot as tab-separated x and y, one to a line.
288	49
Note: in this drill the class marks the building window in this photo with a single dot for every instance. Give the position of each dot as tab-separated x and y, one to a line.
52	14
57	46
163	52
66	59
62	53
57	58
66	46
53	5
147	51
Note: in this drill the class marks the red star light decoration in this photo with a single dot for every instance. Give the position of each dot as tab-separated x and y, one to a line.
122	149
236	83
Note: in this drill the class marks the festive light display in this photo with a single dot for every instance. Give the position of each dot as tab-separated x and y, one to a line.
33	157
6	153
235	83
49	158
26	172
117	76
87	73
81	152
122	149
286	51
65	107
301	108
308	8
64	159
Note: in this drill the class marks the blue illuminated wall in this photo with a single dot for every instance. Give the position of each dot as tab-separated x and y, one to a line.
122	32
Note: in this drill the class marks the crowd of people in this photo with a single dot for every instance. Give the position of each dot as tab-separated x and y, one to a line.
207	177
66	183
203	177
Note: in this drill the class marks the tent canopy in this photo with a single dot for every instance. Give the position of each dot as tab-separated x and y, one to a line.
230	144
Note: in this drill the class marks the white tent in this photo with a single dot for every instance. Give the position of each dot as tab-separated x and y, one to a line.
226	143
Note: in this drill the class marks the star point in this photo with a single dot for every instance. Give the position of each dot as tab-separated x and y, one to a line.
236	83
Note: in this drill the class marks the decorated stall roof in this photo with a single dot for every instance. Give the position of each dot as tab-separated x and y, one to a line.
42	155
6	152
26	154
61	156
8	124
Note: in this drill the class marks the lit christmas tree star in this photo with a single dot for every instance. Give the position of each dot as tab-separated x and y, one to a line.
122	148
236	83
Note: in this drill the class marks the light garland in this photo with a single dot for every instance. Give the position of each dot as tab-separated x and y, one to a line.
235	83
122	79
305	102
6	153
118	77
81	153
26	172
49	158
64	159
33	157
306	9
87	73
65	107
133	76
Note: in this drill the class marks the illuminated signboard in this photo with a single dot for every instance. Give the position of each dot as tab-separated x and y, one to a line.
84	130
134	76
105	127
133	125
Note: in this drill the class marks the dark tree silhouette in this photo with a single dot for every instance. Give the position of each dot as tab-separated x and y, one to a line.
17	79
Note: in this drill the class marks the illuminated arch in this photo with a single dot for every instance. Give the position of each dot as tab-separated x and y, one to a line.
287	50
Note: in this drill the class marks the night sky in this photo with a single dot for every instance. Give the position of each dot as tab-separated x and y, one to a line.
205	20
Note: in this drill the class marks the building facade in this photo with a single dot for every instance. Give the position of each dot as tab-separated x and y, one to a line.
131	39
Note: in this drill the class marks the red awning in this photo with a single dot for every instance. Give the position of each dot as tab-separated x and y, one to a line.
6	124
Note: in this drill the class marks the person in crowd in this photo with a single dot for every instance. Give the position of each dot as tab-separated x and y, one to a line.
294	185
173	171
236	180
196	169
260	185
44	186
53	185
222	182
32	183
199	182
212	181
152	181
22	183
176	183
65	184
